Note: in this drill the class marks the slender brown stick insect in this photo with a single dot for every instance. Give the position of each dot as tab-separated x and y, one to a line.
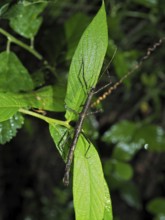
77	132
82	115
79	124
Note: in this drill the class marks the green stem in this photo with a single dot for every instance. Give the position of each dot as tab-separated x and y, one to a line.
8	46
45	118
21	44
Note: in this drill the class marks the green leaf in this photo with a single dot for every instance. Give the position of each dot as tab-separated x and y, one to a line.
157	206
60	137
86	63
149	80
122	171
13	75
153	137
125	151
8	129
90	194
132	136
24	18
130	193
8	106
49	98
121	132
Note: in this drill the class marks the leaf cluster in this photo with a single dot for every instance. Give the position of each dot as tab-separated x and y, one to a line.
41	38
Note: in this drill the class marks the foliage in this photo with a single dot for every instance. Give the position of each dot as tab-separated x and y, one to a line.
45	39
91	170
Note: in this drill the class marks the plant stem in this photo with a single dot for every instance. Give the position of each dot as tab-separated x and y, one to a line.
45	118
8	46
12	39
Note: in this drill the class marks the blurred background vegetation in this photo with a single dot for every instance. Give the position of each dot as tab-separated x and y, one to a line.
129	133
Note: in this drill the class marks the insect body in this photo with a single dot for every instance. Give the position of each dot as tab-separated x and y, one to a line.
91	92
77	132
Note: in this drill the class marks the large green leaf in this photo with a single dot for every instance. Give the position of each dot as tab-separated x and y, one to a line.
90	193
24	18
8	129
91	196
9	106
13	75
86	63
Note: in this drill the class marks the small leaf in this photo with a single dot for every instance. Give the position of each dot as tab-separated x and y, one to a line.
153	136
24	18
157	206
88	182
8	129
86	63
120	132
122	171
13	75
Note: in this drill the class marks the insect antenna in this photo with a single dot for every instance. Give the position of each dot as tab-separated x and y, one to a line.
109	63
150	50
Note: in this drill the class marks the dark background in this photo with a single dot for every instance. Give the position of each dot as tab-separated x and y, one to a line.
31	169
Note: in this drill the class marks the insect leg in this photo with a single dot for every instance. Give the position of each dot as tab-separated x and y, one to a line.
70	109
82	79
62	143
88	145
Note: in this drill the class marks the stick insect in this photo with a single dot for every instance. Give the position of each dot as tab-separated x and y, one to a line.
77	132
91	92
78	127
